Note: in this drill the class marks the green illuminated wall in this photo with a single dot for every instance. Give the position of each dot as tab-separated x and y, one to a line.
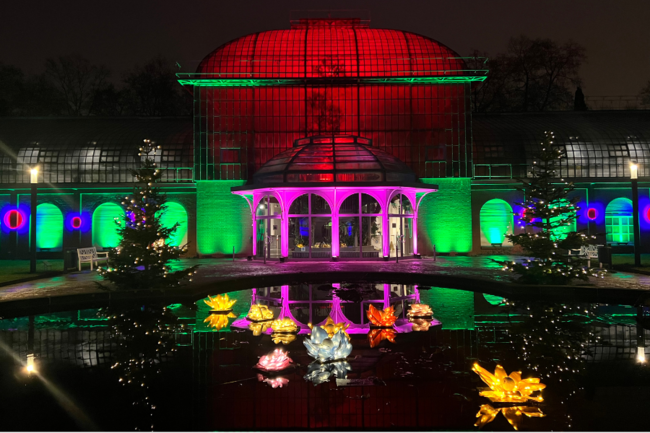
454	308
496	222
223	219
49	227
445	217
176	213
104	228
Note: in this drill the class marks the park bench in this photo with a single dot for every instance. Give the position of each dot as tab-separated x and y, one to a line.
90	255
586	252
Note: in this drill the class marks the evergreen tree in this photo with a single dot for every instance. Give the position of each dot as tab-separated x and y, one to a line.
548	210
141	260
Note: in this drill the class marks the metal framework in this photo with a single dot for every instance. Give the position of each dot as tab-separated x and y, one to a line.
92	150
257	94
596	144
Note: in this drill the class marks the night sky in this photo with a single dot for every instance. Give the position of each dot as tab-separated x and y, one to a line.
122	33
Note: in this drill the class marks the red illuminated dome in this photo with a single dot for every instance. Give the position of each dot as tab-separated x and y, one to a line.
331	48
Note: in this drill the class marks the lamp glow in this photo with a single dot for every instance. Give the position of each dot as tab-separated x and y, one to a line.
592	213
640	355
33	175
508	388
76	222
30	366
14	219
634	170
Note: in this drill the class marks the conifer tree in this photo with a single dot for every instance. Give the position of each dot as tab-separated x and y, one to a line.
549	211
141	260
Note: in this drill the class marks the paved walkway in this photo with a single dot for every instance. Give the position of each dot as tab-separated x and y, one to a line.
223	275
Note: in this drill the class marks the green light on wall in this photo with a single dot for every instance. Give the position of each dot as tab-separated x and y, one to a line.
445	217
104	228
49	227
175	213
496	221
262	82
454	308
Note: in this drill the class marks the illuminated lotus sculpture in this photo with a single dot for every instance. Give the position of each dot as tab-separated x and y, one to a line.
419	310
324	349
259	312
275	382
220	303
508	389
284	325
420	324
283	338
259	327
514	414
332	328
376	336
319	373
384	318
275	361
218	320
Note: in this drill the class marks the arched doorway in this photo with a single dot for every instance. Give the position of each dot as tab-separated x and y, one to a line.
105	233
49	228
175	213
496	221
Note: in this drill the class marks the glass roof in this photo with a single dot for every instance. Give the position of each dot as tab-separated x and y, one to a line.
332	48
338	158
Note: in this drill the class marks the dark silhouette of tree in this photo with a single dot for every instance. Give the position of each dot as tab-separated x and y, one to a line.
109	101
579	103
644	94
77	80
152	90
12	81
533	75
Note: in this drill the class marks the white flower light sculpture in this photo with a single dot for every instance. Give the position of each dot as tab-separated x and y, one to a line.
324	349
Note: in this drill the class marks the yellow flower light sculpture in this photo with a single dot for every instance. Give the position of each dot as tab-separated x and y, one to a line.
384	318
220	302
332	328
283	338
508	389
259	327
284	325
419	310
218	321
259	312
514	414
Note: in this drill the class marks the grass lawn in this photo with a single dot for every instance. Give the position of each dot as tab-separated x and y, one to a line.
11	270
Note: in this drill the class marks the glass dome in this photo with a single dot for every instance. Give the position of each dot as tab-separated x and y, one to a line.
338	158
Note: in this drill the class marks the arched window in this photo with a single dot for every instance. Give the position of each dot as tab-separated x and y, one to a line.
496	220
360	227
176	213
49	228
618	221
104	228
560	232
310	227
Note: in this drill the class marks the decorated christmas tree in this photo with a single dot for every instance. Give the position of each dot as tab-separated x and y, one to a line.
548	217
142	259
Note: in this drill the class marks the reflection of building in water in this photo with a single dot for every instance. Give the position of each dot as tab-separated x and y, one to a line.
307	303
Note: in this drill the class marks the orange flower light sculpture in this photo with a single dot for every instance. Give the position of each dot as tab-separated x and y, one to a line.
284	325
259	312
220	303
383	319
419	310
508	389
332	328
218	320
283	338
514	414
375	336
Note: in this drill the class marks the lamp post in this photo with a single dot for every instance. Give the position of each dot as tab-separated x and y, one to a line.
32	222
635	212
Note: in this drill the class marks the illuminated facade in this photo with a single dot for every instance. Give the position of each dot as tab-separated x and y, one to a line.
329	139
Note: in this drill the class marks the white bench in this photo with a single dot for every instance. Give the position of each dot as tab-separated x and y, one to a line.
586	251
90	255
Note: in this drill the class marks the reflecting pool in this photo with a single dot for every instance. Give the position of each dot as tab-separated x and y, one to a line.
332	357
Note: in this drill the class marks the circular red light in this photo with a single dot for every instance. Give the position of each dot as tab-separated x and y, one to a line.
592	213
76	222
14	219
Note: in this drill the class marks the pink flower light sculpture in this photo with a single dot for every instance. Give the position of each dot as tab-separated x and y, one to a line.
275	382
275	361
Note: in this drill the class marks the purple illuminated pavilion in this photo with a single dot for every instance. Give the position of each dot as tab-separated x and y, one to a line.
334	197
